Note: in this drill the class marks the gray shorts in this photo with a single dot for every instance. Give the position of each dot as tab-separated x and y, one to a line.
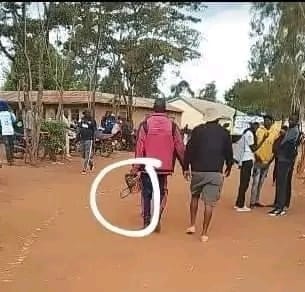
208	185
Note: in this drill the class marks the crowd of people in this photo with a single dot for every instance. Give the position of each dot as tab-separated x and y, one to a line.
202	152
87	131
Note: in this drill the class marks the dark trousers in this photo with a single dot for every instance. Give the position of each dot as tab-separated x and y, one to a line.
244	181
274	170
283	184
289	185
147	191
9	148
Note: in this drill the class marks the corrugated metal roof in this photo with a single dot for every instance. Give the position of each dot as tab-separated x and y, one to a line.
80	97
208	108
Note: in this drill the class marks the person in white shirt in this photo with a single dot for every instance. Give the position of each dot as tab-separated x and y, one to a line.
245	157
7	120
116	128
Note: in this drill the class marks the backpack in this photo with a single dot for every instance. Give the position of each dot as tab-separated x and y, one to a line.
145	127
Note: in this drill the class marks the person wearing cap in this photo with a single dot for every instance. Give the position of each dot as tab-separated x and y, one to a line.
208	149
263	159
158	137
7	120
86	136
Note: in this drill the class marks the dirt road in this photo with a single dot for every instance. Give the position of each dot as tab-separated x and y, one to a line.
50	241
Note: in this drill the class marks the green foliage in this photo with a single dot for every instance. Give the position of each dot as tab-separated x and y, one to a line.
133	41
277	54
181	89
55	141
209	92
247	96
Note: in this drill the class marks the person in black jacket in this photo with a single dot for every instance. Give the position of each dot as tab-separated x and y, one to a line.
208	149
275	147
86	135
286	155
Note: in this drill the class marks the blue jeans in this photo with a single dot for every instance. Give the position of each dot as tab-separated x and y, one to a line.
86	148
260	172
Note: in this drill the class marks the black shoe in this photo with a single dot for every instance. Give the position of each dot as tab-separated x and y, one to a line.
277	212
146	222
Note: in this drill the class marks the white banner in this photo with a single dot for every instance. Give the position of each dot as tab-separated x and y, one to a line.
241	123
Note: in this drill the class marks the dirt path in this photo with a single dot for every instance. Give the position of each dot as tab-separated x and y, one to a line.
50	241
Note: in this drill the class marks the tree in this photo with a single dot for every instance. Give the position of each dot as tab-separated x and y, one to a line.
251	97
146	37
278	52
24	40
131	41
182	89
209	92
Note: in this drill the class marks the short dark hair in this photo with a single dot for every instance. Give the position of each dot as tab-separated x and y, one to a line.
268	117
160	105
285	128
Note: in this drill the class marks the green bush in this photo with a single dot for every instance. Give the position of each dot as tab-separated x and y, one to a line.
55	141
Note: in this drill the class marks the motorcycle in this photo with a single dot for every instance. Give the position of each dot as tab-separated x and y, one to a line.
103	143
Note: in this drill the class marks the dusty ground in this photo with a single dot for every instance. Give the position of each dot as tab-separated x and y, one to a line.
50	241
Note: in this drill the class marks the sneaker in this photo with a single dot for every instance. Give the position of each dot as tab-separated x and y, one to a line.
277	212
191	230
243	209
84	172
235	207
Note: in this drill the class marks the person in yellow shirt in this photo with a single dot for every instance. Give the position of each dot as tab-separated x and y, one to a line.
263	158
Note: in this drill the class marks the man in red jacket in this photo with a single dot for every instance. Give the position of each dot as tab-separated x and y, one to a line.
158	137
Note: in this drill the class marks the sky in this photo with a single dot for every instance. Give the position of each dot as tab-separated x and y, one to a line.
225	50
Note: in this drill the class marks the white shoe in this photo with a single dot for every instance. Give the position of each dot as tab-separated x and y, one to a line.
235	207
191	230
243	209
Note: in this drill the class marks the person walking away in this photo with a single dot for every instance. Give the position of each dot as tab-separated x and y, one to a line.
263	159
158	137
287	153
7	121
245	157
209	148
86	135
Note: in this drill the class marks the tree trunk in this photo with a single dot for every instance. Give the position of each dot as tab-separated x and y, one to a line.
60	105
37	113
130	105
27	89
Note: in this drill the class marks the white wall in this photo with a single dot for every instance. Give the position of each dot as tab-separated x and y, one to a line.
190	116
